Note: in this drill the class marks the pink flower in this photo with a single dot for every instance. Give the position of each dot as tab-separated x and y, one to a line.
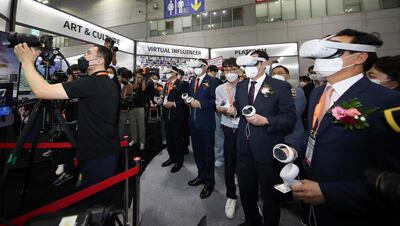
352	112
338	113
348	120
265	90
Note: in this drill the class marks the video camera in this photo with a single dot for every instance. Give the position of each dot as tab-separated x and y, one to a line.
112	44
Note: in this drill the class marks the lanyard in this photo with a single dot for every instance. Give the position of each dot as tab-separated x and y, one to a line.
317	110
228	91
101	73
170	87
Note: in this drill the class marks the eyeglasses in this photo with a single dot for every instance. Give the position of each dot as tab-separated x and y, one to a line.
231	70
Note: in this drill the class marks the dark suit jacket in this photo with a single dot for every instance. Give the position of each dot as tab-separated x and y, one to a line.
205	116
177	112
341	156
278	108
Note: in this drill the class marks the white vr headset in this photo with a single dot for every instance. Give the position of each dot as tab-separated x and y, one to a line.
248	60
195	64
322	48
168	70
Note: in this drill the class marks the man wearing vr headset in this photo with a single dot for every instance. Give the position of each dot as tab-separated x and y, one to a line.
334	156
258	134
173	113
202	126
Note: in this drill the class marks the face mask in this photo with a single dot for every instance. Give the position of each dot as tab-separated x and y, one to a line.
302	84
279	77
83	64
251	72
168	76
327	67
155	81
110	75
197	71
376	81
231	77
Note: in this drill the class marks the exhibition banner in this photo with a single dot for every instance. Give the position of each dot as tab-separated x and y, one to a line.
283	49
37	15
155	49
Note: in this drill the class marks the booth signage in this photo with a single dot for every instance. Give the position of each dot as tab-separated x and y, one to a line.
145	48
174	8
217	61
37	15
285	49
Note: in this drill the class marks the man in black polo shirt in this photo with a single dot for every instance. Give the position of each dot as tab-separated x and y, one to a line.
97	135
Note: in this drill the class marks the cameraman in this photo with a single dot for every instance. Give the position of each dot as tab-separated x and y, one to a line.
109	43
97	136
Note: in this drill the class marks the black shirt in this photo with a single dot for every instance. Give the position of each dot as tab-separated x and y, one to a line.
97	134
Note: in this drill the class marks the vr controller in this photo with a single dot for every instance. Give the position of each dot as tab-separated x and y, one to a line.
187	98
225	104
158	100
280	155
248	111
290	171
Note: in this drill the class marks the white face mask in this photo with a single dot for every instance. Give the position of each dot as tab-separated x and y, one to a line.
279	77
111	76
327	67
231	77
376	81
155	81
168	76
251	72
302	84
198	71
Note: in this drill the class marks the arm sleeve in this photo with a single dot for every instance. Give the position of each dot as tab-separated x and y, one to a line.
285	120
209	103
184	87
80	88
218	95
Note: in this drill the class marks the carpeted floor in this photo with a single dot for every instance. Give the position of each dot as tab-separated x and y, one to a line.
167	200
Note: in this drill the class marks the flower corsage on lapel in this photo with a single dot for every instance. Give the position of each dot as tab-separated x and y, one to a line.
266	90
351	114
205	85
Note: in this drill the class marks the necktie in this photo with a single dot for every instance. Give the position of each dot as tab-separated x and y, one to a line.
323	105
196	84
251	92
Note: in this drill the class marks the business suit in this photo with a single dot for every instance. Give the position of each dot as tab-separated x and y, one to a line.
202	127
255	163
300	104
173	120
341	156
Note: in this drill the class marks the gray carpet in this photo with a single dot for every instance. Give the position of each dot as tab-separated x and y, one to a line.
167	200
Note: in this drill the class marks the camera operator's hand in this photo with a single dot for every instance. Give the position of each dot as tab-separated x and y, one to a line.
26	54
257	120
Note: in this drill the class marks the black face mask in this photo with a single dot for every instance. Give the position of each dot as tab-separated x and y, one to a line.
83	64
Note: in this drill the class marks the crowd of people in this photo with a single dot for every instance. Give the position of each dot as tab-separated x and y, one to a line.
333	121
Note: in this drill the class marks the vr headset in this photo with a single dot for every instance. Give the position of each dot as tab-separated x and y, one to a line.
195	64
248	60
168	70
323	48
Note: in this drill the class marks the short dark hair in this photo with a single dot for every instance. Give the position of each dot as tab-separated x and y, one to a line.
230	62
366	39
283	67
104	52
113	69
175	69
212	68
261	53
120	70
73	67
181	72
203	61
311	68
126	73
108	40
305	78
389	65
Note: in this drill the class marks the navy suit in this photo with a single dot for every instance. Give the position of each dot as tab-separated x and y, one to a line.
255	164
202	127
173	121
341	156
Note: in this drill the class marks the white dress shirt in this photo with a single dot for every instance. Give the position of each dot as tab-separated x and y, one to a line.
200	79
257	86
341	87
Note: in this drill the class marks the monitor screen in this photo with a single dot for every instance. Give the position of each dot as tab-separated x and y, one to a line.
9	71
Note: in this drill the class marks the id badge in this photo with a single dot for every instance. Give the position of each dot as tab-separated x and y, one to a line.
236	120
310	150
165	100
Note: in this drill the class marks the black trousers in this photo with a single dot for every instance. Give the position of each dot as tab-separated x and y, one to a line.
186	128
96	170
174	135
203	149
251	176
230	161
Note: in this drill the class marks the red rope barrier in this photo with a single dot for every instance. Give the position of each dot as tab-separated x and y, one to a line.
44	145
75	197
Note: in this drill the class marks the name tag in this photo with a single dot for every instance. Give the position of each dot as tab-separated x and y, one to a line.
310	150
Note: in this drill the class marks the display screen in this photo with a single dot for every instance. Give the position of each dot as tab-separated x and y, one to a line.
9	71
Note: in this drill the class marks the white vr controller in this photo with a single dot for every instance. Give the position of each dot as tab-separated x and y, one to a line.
290	171
225	104
158	100
187	98
248	111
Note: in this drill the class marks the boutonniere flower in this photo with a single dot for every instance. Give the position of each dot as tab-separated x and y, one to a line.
205	85
351	114
266	90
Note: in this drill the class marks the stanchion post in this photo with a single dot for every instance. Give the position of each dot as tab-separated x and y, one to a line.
126	193
136	193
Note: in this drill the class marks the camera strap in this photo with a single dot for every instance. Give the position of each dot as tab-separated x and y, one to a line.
100	73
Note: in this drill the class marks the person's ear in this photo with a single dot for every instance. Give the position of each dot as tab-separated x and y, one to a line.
361	58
